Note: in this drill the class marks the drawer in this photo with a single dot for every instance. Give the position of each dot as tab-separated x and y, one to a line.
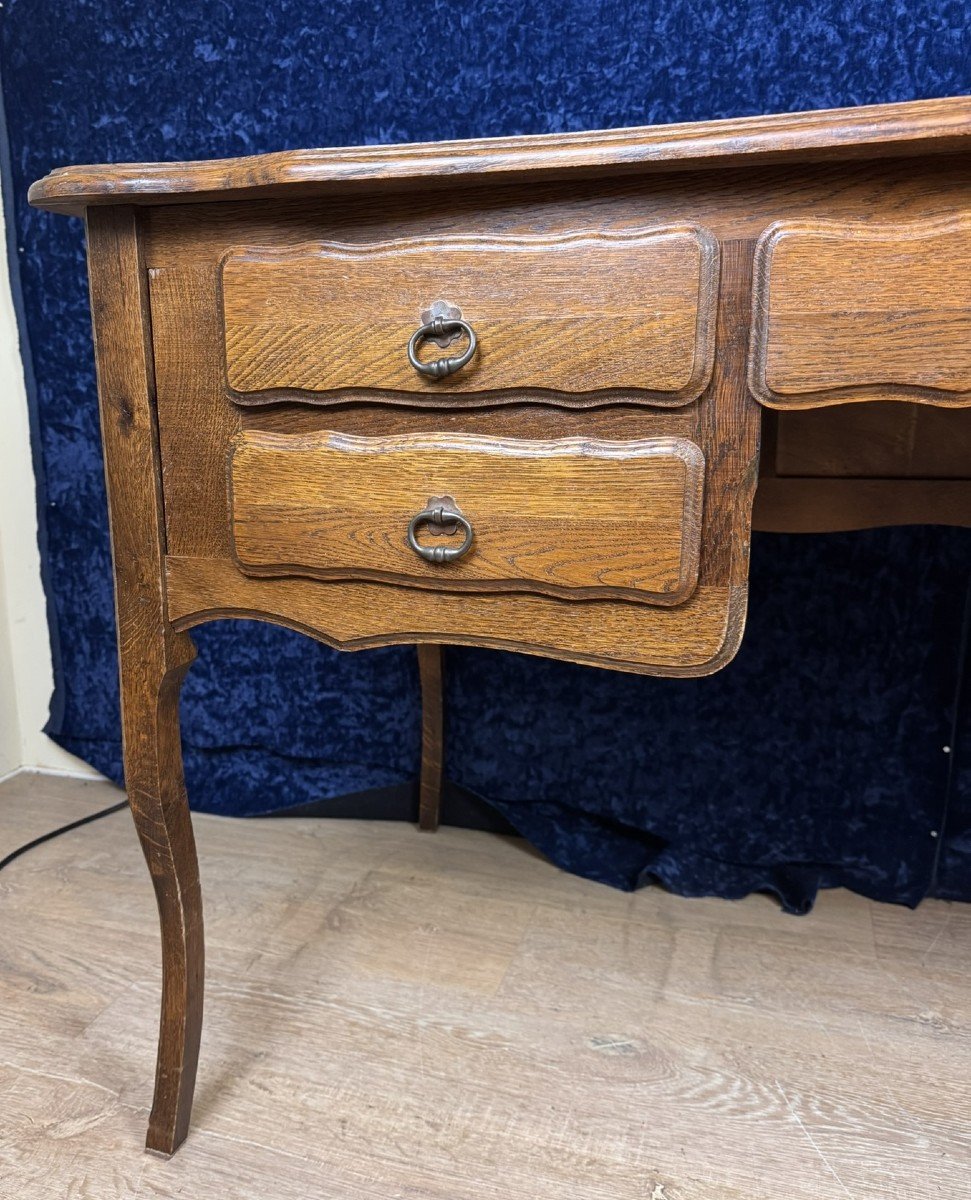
609	526
580	318
574	519
848	312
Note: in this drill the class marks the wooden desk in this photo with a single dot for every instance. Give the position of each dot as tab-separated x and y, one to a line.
506	393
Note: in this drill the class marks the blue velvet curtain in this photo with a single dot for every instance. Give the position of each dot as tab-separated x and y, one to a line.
835	750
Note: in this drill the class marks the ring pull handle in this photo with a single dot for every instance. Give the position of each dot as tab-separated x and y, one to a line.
438	368
440	515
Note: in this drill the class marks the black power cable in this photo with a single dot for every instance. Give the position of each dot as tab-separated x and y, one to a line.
104	812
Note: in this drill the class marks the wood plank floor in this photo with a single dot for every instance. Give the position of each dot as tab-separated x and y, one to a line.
403	1016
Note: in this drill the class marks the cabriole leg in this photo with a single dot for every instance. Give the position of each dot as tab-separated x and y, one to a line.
156	793
153	656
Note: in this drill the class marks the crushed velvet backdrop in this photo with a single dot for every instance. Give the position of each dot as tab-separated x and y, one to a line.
816	759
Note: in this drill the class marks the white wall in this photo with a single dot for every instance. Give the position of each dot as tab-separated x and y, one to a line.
26	679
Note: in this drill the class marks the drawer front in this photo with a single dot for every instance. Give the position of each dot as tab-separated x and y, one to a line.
575	317
576	518
853	312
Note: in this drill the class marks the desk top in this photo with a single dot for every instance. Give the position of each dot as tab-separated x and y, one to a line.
875	131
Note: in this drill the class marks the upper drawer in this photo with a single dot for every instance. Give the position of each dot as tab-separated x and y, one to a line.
579	318
575	518
849	312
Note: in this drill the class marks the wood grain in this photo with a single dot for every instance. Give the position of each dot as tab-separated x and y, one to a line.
197	423
846	313
860	466
153	657
694	638
876	441
881	130
732	202
576	312
453	1018
827	505
575	518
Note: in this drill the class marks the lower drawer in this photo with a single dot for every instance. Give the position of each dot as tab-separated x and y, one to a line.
575	518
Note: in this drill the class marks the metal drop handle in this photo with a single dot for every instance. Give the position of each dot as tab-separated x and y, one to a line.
438	368
439	516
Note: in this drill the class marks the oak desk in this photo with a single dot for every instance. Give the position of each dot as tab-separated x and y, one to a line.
506	393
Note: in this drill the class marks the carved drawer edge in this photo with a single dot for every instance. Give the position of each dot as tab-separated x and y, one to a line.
688	452
695	386
356	616
913	231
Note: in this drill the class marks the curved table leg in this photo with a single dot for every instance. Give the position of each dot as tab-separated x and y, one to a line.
156	794
153	656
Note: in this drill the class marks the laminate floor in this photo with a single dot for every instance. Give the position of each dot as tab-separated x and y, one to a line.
401	1016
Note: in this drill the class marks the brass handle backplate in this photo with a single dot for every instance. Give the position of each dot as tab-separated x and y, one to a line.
439	516
438	368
